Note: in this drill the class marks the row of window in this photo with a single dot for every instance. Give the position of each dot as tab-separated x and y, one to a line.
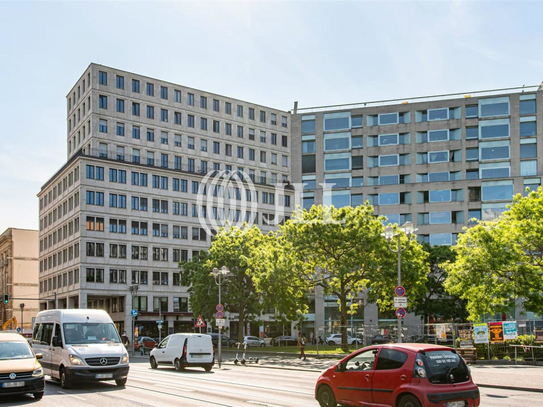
164	94
59	188
62	256
63	209
486	108
205	123
485	171
66	279
177	139
60	234
490	129
152	158
488	152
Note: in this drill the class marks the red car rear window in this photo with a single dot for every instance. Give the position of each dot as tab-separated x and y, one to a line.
443	367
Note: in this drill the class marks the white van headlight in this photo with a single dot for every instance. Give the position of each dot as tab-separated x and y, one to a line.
124	358
76	360
38	372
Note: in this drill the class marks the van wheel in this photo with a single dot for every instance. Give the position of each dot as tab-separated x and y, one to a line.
38	396
178	365
121	382
409	401
207	368
152	361
64	382
325	396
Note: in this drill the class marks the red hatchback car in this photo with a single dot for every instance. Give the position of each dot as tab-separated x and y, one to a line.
399	375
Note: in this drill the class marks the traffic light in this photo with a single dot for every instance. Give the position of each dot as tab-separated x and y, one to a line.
6	298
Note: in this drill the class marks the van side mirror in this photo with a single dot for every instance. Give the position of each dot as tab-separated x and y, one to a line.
39	355
57	341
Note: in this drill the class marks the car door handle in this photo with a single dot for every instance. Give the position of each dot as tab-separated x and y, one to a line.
403	377
367	377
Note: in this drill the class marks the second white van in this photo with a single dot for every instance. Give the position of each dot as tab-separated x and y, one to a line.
184	350
80	345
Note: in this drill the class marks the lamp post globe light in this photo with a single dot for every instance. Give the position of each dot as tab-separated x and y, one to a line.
409	229
220	275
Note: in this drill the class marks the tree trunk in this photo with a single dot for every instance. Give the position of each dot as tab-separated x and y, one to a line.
343	321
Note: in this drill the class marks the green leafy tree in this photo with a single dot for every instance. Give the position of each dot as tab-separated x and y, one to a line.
231	247
436	300
500	261
281	289
343	251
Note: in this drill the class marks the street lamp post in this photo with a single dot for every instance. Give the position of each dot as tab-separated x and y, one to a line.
22	306
408	228
133	292
220	275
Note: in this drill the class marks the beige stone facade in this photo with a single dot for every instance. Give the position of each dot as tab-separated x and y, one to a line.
133	198
19	273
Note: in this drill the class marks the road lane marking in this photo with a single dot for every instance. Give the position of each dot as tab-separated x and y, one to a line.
260	403
71	395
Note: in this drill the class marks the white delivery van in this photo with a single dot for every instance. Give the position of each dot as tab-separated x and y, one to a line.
184	350
80	345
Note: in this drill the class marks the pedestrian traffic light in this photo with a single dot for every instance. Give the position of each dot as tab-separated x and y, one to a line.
6	298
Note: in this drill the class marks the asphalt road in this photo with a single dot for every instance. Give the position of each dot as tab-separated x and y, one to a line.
273	382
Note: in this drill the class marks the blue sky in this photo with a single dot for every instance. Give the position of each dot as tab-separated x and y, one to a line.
267	52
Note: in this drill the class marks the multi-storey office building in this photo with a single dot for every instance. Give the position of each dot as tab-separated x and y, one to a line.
438	162
150	168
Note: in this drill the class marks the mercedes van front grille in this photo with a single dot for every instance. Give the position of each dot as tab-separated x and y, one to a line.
103	361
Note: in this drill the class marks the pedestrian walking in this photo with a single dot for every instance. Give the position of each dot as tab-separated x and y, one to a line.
301	344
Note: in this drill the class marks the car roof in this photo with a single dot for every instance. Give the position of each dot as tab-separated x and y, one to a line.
414	347
11	337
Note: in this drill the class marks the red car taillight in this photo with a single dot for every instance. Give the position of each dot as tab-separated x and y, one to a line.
419	370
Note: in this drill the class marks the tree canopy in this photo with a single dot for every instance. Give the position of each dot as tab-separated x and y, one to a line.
500	261
343	251
437	301
260	279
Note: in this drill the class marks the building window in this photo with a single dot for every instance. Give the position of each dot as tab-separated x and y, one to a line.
150	89
120	82
190	99
102	78
164	92
102	102
135	86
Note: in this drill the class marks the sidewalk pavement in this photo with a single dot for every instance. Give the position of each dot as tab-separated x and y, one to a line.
512	377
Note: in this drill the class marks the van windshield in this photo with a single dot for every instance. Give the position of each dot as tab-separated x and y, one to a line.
77	333
15	350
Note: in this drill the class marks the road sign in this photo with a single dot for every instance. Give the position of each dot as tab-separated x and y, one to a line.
400	291
220	314
200	322
134	312
18	329
219	307
400	302
400	312
160	322
221	322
